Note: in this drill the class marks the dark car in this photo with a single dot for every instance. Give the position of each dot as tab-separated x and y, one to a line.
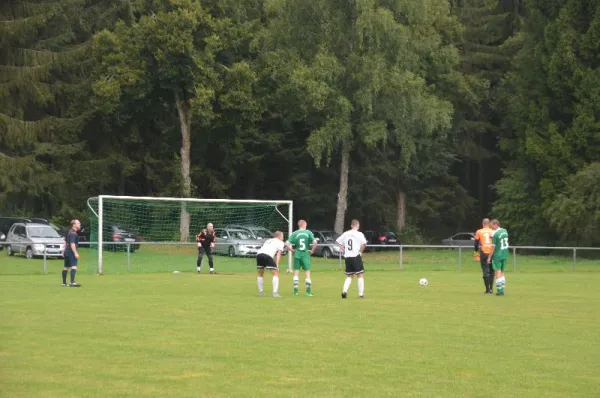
388	238
463	239
116	233
327	247
380	238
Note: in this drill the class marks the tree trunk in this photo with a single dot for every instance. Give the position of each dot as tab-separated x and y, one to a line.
401	211
343	192
185	123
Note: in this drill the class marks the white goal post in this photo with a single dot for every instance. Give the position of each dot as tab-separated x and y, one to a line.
169	219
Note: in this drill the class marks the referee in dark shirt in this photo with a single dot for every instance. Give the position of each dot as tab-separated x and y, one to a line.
71	254
206	241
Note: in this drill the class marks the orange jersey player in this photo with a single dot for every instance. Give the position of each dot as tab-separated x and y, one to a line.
483	245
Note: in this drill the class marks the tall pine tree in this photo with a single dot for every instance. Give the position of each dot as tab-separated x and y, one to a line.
552	129
45	59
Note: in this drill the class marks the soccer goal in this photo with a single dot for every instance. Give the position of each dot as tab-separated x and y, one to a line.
144	221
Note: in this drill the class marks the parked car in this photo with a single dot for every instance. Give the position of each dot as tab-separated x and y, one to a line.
380	238
388	238
117	233
327	247
464	239
234	242
259	233
31	239
7	222
83	233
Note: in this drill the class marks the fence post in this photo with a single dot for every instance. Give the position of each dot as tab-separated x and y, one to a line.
460	258
574	259
401	259
45	265
514	259
128	258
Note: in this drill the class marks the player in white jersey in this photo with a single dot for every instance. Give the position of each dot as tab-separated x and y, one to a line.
268	257
353	243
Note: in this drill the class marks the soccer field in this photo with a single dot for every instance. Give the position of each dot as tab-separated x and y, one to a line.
162	334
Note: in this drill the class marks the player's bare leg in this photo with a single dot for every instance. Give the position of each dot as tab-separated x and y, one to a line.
361	285
275	283
260	281
308	283
347	283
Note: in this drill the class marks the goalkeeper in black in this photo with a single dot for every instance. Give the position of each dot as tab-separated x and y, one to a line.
206	241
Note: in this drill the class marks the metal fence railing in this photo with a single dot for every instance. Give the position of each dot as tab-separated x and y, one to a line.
460	250
43	251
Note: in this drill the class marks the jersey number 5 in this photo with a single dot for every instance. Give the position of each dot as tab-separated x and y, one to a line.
302	245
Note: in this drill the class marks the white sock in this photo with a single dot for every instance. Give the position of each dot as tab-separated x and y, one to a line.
361	286
212	269
198	269
275	284
296	282
260	281
347	284
308	283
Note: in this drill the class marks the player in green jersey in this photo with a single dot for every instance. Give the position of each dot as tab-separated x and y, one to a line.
499	255
304	245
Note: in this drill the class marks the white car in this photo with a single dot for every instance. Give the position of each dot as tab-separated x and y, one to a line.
236	242
33	240
258	233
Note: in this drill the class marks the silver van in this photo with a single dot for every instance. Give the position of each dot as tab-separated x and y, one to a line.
30	239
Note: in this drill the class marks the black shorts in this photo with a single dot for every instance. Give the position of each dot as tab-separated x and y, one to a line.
70	260
202	250
265	261
354	265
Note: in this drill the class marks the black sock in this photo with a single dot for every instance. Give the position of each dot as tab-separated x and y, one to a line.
64	275
485	282
73	275
199	262
491	283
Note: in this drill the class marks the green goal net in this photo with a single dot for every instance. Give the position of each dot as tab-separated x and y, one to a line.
130	225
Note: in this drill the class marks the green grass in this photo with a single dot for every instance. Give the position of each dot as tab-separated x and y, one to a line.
149	332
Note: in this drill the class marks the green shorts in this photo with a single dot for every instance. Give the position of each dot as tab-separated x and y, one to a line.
302	263
499	265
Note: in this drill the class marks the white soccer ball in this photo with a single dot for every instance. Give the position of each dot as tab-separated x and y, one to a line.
423	282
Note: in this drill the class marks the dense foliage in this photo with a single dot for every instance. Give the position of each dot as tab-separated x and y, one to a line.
417	115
